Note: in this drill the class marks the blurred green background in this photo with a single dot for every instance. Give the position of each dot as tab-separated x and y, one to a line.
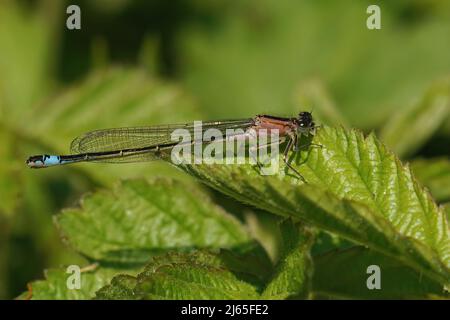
149	62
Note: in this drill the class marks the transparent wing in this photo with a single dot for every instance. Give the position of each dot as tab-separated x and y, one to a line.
141	137
135	157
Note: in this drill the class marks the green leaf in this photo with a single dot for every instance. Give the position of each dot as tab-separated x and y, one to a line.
55	287
120	288
409	129
292	276
357	189
198	275
344	274
221	275
140	218
435	175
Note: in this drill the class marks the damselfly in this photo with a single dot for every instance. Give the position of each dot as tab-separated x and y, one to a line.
135	144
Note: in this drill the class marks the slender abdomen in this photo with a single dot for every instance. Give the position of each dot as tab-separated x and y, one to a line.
45	160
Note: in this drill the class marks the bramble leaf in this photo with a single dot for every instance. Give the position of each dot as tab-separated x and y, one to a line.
222	275
198	275
55	286
357	189
140	218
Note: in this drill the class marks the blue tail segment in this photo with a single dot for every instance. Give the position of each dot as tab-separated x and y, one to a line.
45	160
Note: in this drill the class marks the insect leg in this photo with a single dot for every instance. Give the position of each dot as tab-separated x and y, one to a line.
285	157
